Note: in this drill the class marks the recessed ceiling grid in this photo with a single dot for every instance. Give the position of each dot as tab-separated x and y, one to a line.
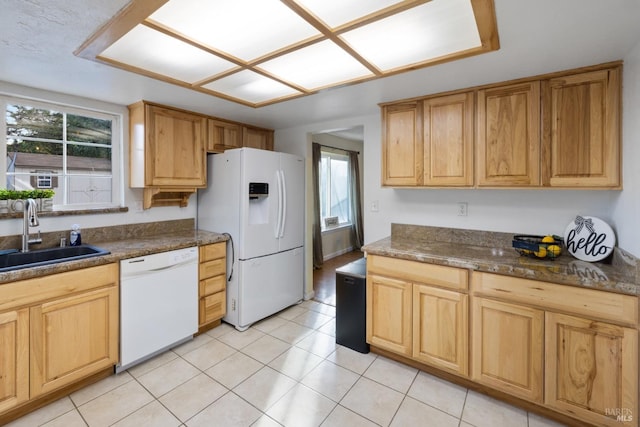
259	52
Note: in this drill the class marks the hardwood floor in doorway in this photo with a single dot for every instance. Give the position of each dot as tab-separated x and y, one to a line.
324	279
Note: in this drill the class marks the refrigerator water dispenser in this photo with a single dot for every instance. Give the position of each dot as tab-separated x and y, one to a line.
258	203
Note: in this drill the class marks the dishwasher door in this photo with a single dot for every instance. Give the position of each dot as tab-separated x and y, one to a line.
158	304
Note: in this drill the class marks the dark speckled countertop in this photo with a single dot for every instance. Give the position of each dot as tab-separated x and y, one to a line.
125	242
492	252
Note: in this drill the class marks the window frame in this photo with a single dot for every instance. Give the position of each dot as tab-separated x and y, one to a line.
43	175
343	154
117	141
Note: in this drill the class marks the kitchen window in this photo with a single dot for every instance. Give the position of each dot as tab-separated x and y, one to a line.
71	150
335	197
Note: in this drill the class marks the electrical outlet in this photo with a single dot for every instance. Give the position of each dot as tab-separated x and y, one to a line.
375	206
462	208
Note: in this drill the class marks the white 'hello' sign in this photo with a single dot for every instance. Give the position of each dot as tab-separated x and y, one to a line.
589	238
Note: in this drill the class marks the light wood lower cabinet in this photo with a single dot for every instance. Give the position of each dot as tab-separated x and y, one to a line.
56	330
389	315
566	349
592	369
14	358
72	338
507	347
409	312
440	328
213	280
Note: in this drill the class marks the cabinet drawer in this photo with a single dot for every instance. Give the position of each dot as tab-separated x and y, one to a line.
39	289
212	285
420	272
213	307
212	268
213	251
591	303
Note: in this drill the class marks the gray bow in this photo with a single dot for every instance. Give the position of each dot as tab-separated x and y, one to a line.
581	222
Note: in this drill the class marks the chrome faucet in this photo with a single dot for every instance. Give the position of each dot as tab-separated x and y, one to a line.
30	219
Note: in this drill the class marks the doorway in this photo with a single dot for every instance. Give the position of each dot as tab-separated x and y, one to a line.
339	151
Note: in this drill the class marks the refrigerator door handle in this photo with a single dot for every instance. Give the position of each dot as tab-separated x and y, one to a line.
284	204
280	206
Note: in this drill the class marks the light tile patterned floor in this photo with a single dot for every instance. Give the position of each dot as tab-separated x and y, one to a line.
284	371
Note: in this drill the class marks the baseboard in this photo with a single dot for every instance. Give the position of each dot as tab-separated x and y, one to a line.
309	295
338	253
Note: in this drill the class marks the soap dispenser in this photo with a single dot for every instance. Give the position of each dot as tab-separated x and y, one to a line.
75	238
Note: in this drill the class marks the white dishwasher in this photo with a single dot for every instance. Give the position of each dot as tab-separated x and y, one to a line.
158	304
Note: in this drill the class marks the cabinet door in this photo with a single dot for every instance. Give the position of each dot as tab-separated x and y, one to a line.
591	370
389	314
72	338
14	358
440	328
507	347
223	135
448	140
508	137
176	148
582	130
401	145
257	138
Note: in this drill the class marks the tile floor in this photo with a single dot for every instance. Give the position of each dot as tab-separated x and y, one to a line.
286	370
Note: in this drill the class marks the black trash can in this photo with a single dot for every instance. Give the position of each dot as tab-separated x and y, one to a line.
351	306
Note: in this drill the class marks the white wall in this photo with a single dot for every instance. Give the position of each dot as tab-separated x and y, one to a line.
626	208
336	242
132	197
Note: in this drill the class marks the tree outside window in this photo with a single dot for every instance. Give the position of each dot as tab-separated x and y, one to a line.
67	149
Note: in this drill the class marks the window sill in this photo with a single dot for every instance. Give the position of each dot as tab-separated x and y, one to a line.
119	209
335	229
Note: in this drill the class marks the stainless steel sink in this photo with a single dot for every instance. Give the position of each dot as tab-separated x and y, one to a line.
16	260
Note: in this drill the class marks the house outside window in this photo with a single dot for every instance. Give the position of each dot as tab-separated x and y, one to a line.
335	197
74	151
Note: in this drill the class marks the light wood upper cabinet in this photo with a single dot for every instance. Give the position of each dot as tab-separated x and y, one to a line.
389	318
223	135
257	138
402	145
14	358
167	147
591	369
508	135
581	115
557	130
507	347
440	328
448	140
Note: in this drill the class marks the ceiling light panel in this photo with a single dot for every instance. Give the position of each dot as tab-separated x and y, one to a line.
432	30
251	87
338	12
245	29
316	66
153	51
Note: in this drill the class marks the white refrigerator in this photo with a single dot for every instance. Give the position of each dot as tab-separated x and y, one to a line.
257	196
